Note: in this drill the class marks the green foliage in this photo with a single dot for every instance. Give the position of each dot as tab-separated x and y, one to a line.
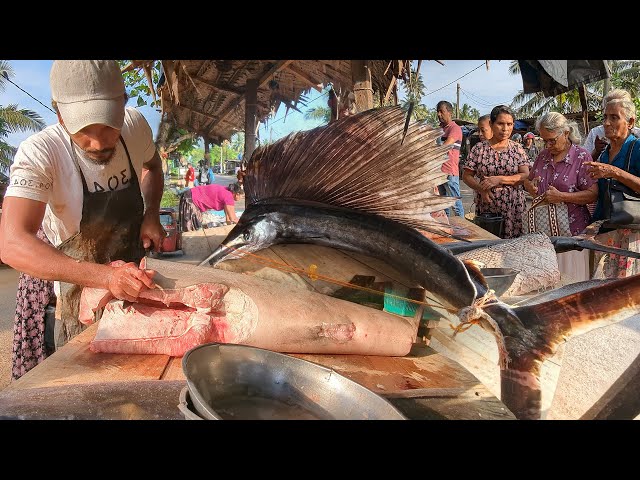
228	150
318	113
169	199
13	119
414	90
468	113
186	145
137	86
237	142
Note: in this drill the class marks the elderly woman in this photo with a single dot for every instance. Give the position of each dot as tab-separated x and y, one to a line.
619	120
495	169
560	174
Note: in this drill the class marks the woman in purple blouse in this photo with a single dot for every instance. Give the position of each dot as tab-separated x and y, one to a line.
559	173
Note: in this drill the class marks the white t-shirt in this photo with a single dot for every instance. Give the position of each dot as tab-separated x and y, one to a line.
590	143
44	170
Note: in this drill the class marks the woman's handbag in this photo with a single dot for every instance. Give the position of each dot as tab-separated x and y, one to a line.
621	205
551	218
491	222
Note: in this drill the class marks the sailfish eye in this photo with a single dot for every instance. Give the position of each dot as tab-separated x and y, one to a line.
246	235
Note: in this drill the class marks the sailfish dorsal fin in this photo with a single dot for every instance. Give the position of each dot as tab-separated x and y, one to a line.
357	162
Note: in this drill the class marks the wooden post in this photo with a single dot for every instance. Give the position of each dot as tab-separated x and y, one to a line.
458	101
361	76
582	91
222	170
250	118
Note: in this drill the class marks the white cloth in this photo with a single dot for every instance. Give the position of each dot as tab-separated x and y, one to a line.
590	143
574	266
44	170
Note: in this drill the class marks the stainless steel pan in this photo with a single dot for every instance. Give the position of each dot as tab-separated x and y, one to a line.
229	381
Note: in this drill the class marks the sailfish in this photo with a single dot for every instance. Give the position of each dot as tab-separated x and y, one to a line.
357	185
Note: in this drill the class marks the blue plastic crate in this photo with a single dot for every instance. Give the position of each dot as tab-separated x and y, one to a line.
402	307
397	305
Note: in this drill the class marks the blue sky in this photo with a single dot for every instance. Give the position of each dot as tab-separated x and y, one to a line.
481	89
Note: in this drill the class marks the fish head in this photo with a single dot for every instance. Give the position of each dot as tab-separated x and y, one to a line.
253	232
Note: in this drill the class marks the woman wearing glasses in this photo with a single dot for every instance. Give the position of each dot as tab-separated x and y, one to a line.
495	169
619	120
559	173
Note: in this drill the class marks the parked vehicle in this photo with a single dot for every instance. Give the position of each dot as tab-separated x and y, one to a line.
169	220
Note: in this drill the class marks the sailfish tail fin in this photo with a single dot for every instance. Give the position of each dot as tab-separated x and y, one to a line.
533	333
359	162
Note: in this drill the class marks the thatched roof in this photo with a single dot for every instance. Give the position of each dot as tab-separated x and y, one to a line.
207	97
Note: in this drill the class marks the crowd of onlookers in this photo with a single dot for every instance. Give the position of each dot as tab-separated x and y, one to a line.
556	166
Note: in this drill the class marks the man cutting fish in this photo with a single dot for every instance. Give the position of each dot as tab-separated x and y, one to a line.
80	179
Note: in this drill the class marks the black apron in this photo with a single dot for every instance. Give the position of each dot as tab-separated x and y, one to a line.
109	230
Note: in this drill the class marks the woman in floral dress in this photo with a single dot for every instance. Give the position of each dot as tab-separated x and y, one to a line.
32	298
495	169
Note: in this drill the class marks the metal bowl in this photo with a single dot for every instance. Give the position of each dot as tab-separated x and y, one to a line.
229	381
499	279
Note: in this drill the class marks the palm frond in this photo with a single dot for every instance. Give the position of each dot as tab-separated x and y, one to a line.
6	71
23	120
318	113
7	152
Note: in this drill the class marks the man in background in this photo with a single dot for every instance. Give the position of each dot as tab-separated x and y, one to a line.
596	141
452	135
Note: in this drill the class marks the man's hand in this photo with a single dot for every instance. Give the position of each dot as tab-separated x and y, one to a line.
127	281
151	231
600	144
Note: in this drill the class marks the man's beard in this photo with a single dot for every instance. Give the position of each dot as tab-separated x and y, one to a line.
100	157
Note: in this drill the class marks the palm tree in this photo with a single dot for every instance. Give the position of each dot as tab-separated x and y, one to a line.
468	113
624	74
13	120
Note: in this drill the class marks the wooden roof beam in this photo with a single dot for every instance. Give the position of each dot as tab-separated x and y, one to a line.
262	80
195	111
282	64
305	77
225	89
